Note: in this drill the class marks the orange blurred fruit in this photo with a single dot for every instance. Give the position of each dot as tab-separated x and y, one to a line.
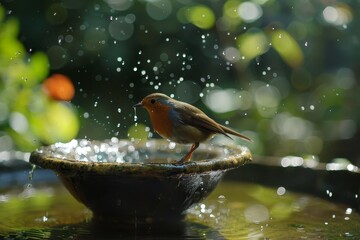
59	87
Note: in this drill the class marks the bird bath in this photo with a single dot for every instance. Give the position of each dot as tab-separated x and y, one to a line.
239	208
138	185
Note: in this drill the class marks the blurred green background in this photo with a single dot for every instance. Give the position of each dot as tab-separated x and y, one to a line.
282	72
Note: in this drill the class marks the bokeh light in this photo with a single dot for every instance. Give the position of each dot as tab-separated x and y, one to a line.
291	127
159	9
201	16
287	47
249	11
252	44
337	15
227	100
122	28
120	5
257	213
18	122
267	99
232	54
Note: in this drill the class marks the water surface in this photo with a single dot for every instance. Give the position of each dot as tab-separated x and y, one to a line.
233	211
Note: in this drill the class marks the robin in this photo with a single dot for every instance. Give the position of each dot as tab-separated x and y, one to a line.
182	123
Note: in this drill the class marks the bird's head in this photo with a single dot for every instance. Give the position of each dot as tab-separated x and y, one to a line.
155	102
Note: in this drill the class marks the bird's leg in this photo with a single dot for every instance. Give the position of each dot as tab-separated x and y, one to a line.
187	157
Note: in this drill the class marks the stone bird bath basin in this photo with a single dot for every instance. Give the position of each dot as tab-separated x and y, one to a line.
138	185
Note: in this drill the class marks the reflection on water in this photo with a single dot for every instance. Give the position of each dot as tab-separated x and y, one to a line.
232	211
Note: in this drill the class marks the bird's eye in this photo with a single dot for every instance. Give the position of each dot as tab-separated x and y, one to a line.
152	101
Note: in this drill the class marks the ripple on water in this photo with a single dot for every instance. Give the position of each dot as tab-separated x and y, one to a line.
232	211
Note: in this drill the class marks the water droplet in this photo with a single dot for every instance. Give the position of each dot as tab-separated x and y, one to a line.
329	193
44	219
281	191
31	172
348	211
347	234
221	199
135	115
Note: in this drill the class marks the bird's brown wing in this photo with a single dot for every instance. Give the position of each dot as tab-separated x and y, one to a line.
198	118
195	117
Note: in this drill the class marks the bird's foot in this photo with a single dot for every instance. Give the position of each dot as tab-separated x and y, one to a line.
183	160
188	156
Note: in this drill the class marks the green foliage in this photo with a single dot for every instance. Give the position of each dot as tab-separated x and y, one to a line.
201	16
287	48
252	44
27	114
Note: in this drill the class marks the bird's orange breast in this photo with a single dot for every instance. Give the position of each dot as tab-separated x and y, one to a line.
161	121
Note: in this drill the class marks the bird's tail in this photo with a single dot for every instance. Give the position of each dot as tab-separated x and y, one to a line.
232	132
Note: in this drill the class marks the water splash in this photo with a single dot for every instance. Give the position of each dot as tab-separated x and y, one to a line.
31	172
120	151
135	115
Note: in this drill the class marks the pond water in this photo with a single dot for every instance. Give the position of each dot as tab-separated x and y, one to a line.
234	210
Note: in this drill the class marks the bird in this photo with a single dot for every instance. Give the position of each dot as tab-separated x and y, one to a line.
181	122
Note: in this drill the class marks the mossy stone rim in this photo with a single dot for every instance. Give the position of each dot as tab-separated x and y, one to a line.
230	158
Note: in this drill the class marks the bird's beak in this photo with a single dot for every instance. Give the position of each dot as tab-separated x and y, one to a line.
138	105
